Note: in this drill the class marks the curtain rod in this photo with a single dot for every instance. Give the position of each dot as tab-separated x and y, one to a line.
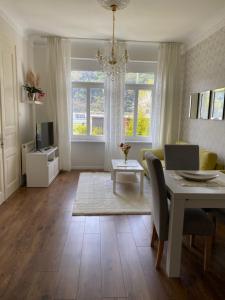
98	39
130	60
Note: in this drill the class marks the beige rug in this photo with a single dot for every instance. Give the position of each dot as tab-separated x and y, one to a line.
95	195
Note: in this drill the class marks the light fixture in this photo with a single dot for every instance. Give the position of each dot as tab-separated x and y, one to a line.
114	62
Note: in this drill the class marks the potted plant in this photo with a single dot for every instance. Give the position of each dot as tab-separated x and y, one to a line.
34	93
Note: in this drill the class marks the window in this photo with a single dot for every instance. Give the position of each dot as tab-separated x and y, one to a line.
138	106
88	105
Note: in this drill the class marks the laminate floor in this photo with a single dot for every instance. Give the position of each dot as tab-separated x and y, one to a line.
45	253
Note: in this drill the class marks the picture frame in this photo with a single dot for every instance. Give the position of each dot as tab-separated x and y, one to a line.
217	104
193	106
204	105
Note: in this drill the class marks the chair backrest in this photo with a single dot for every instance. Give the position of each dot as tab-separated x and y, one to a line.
181	157
160	211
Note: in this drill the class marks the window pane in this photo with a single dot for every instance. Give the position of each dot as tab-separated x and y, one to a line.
144	112
140	78
79	96
129	112
87	76
97	111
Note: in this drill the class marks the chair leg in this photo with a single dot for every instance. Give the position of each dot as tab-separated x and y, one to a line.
207	251
154	236
159	254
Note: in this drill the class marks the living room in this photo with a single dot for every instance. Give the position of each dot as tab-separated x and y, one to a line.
107	109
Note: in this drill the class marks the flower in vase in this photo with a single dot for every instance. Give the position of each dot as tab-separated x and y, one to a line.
125	149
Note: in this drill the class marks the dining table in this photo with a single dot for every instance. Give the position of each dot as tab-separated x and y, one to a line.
188	194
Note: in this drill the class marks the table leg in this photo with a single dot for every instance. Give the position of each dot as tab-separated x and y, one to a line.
141	182
173	259
114	181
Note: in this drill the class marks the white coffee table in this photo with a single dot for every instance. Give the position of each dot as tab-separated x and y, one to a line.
118	165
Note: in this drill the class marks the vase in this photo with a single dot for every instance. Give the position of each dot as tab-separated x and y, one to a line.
125	158
31	96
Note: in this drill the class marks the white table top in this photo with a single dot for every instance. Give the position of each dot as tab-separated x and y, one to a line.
131	165
176	188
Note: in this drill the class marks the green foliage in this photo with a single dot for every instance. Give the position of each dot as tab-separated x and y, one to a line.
143	124
129	126
97	131
140	78
79	129
87	76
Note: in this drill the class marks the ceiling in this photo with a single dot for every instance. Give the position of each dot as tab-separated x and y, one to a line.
142	20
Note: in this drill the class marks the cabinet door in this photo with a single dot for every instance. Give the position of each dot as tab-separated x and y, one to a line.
9	117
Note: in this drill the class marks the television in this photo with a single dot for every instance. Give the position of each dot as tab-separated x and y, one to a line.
44	135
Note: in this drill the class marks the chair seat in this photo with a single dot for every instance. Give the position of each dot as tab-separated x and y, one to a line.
197	222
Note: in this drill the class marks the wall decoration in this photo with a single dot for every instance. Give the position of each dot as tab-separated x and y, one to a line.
204	104
217	104
31	87
194	104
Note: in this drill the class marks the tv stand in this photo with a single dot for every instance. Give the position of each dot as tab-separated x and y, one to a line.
42	167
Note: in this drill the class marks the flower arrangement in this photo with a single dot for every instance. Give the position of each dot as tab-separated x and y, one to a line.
31	87
125	148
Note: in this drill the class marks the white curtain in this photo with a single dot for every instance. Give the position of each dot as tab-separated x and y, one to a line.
59	96
114	101
166	104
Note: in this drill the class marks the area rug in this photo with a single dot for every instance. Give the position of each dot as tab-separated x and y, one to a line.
95	195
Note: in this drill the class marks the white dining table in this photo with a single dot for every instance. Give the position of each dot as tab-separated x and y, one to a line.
187	196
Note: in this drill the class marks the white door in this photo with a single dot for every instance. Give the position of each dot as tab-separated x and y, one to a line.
9	117
2	198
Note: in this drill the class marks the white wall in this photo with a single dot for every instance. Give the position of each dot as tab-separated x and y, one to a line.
40	67
90	155
205	70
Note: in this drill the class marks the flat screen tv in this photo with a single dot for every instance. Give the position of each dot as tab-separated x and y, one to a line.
44	135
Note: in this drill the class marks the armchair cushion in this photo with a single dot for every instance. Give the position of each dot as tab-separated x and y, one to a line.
208	160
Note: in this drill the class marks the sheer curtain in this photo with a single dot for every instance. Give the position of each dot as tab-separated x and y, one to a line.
114	101
166	105
59	96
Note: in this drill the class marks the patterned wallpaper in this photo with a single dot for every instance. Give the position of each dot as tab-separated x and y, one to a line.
204	70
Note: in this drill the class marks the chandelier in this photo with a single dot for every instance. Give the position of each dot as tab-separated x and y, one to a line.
114	61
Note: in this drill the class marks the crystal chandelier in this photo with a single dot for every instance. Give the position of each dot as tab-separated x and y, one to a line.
114	62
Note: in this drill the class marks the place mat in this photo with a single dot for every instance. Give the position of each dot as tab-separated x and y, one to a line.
191	183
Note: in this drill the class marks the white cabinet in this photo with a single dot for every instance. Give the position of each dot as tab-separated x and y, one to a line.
42	167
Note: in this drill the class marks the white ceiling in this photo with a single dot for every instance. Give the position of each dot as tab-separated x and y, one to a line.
142	20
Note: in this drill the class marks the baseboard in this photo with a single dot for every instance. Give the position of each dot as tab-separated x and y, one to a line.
82	167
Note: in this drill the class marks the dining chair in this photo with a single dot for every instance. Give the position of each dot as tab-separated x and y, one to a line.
181	157
196	221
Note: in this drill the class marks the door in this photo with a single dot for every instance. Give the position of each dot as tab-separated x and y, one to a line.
9	118
2	198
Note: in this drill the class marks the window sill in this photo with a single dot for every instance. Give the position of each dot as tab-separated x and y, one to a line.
102	141
87	141
138	142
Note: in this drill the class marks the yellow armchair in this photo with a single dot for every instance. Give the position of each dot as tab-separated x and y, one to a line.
207	159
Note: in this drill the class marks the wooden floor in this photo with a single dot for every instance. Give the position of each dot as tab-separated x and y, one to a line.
45	253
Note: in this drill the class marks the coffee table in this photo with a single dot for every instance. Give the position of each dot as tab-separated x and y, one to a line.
119	165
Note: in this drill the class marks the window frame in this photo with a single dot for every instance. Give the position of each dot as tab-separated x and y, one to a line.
136	87
87	137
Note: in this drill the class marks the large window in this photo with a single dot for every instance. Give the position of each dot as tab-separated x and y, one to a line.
88	105
138	106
